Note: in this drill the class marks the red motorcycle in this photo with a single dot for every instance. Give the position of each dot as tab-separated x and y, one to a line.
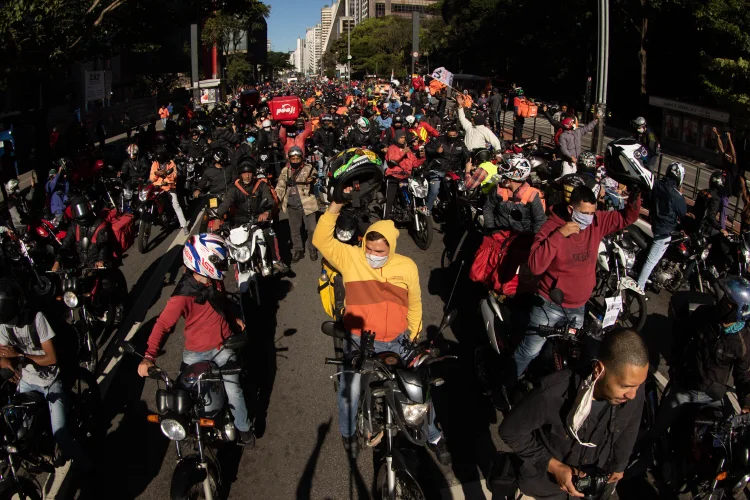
155	210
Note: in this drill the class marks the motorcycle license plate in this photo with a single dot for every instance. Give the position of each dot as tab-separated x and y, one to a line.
213	203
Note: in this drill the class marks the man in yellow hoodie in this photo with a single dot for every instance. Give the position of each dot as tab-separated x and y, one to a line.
382	296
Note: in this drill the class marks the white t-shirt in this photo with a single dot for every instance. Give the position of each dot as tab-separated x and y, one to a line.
28	339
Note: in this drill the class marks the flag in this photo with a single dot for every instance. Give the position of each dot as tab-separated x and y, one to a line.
417	82
445	76
436	86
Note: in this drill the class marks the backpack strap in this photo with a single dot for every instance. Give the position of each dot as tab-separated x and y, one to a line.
273	191
238	185
96	231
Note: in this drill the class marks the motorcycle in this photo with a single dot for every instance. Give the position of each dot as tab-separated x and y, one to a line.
192	411
684	263
29	446
614	278
736	262
394	400
410	208
249	250
156	209
24	265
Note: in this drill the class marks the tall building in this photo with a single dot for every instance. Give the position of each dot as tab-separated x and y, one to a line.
299	56
311	47
326	17
360	10
268	45
403	8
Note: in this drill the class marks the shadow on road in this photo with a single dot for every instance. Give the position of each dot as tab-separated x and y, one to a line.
136	447
304	487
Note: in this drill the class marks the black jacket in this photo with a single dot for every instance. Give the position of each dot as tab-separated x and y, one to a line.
99	247
705	355
512	214
225	137
667	207
707	207
358	139
247	201
217	181
536	429
327	140
455	154
135	169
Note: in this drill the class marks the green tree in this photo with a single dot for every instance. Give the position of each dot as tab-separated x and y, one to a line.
239	71
377	44
278	62
726	52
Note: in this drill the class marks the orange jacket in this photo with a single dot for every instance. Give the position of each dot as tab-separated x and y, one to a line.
166	183
163	112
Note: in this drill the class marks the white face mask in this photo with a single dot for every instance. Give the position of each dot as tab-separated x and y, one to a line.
375	261
582	407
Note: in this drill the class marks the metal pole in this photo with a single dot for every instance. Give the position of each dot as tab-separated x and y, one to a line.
603	70
502	112
533	131
349	51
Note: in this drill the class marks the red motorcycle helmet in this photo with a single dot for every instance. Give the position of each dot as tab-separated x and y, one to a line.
568	123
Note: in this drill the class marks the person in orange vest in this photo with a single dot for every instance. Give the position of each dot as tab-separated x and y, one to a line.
163	114
164	175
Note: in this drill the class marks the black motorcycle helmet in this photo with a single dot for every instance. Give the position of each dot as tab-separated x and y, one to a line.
716	181
82	212
357	168
247	165
161	154
220	156
398	120
12	300
347	227
480	155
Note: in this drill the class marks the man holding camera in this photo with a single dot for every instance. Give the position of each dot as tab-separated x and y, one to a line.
575	432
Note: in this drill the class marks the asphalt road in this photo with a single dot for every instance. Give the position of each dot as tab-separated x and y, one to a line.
290	391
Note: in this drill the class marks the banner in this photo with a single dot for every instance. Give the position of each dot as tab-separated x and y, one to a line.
444	76
94	82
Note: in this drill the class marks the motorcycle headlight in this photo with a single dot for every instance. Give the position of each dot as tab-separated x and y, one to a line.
127	194
70	299
461	186
629	260
704	254
414	414
143	195
344	234
173	429
240	254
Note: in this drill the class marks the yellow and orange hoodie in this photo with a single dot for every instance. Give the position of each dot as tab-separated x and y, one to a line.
385	301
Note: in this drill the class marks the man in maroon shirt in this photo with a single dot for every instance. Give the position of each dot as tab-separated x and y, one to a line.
208	321
564	255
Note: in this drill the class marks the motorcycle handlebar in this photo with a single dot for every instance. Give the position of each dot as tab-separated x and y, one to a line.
334	361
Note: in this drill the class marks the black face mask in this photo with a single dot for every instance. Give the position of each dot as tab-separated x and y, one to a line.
451	138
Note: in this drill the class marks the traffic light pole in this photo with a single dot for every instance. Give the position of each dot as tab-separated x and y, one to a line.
602	72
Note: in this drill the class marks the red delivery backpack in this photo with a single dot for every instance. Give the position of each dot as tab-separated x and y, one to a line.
285	109
123	229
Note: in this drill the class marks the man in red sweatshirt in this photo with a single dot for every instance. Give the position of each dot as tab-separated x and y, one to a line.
564	255
208	321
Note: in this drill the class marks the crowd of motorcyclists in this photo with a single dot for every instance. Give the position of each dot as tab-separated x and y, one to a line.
374	159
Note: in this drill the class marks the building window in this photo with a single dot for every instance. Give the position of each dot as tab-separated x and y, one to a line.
406	9
379	10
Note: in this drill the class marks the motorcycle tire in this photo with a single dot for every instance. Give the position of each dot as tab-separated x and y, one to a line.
189	486
638	322
407	488
144	234
42	287
88	356
84	407
423	238
25	489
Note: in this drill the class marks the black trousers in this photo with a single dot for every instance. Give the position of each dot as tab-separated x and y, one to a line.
391	190
518	128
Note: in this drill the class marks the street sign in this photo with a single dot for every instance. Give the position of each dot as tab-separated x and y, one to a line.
415	55
349	57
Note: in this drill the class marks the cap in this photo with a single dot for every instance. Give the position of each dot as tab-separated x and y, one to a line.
52	171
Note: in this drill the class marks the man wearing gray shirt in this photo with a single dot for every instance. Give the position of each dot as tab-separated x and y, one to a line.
27	350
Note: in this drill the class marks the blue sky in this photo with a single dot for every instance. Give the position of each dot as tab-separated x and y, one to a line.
289	19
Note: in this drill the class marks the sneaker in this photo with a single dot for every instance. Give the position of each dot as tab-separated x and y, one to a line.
351	445
313	254
247	439
280	267
441	451
297	256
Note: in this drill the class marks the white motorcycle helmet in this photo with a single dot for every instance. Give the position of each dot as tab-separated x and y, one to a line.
206	254
410	121
11	186
519	168
266	124
363	124
132	151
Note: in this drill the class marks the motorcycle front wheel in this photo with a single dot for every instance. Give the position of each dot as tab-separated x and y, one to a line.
24	489
407	488
634	312
144	234
88	357
423	237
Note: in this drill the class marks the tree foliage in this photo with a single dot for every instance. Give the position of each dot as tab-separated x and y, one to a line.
377	45
239	72
278	62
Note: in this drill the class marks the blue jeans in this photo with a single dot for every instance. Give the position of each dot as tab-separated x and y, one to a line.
432	192
349	390
544	313
231	383
55	397
655	253
164	122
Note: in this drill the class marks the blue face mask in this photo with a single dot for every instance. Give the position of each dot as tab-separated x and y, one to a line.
583	220
733	328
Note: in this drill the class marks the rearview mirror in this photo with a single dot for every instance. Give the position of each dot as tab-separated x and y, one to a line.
333	329
85	243
557	296
448	319
127	347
